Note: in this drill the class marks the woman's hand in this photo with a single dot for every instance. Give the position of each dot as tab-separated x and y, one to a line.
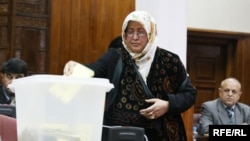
69	68
73	68
157	109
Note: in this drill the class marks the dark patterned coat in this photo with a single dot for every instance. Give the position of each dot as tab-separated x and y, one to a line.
167	79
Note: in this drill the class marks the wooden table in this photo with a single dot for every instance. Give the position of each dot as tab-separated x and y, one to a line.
202	138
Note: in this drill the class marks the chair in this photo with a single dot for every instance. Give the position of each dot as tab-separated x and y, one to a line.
8	128
8	110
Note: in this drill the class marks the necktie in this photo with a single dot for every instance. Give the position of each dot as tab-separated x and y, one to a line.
230	112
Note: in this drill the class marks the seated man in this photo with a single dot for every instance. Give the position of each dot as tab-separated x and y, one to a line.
12	69
226	109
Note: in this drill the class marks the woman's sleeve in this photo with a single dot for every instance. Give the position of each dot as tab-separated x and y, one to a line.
183	99
105	63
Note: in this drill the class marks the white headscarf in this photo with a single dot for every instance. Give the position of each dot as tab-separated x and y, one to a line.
144	59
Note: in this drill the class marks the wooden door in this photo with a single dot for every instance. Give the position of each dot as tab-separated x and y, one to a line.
206	64
24	28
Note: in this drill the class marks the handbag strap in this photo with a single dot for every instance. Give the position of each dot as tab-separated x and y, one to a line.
145	87
148	93
183	84
117	73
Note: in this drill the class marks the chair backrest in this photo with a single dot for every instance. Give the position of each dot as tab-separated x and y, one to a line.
8	110
8	128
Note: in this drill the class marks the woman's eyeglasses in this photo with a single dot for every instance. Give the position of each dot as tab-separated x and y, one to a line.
139	34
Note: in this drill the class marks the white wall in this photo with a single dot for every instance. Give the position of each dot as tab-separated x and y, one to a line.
174	16
170	16
222	15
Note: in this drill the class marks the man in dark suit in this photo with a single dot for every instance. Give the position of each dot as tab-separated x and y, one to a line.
226	109
12	69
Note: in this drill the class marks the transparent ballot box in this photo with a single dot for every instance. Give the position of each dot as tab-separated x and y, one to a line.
60	108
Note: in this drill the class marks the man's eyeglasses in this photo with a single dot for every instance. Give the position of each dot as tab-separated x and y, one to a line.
139	34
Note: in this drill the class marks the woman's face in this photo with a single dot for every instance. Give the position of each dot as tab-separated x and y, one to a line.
136	37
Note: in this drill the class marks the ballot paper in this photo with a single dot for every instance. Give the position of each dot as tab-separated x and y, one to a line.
76	69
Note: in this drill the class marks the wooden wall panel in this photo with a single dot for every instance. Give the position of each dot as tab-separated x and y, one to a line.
24	32
188	122
241	67
5	24
30	30
206	65
81	30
